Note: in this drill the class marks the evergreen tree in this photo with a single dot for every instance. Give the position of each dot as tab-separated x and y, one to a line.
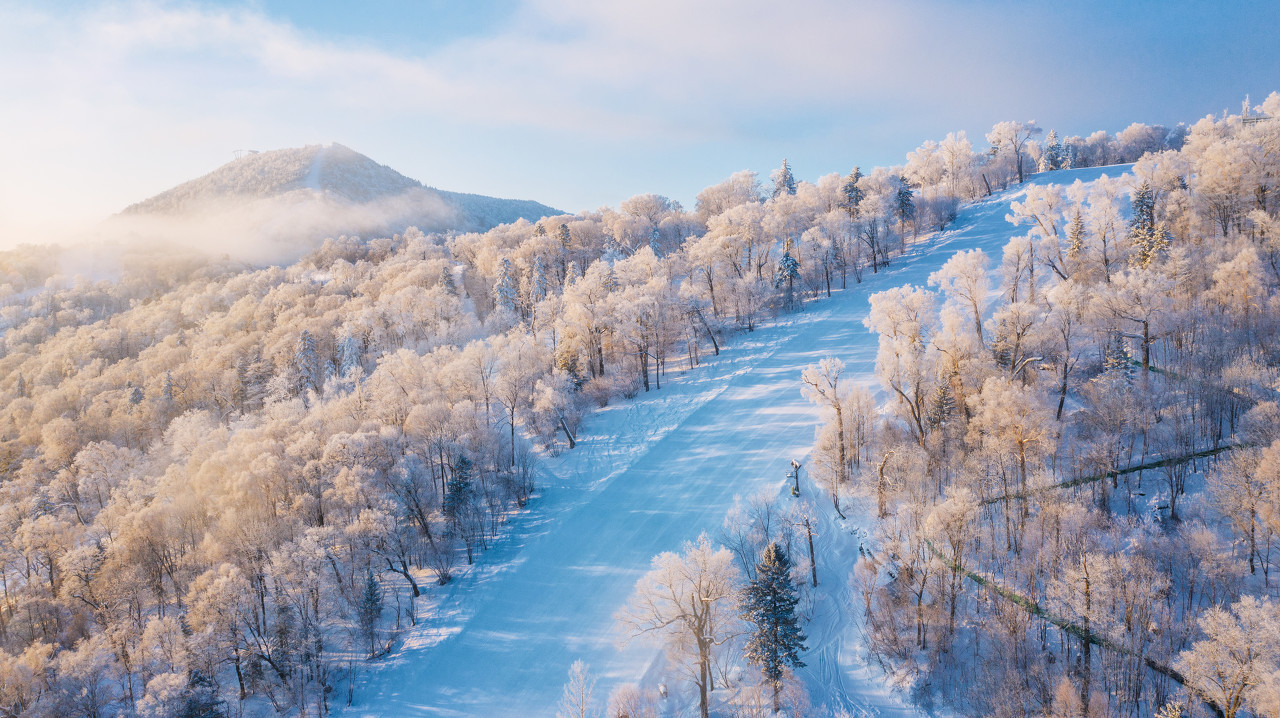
458	495
369	612
1075	236
783	181
538	287
506	292
201	700
942	405
459	506
1052	158
22	386
1117	362
852	194
1148	239
904	204
788	272
306	364
349	354
769	605
447	281
562	235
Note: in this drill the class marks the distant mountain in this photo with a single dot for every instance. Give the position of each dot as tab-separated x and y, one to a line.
310	192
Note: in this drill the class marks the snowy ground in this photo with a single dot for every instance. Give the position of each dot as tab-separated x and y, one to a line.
648	475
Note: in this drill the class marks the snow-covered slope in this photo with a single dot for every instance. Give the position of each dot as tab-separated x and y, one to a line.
333	190
648	475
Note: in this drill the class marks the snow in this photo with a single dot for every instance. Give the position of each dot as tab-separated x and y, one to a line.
648	475
342	176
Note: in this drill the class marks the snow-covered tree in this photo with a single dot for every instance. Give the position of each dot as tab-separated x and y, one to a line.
687	603
783	181
769	603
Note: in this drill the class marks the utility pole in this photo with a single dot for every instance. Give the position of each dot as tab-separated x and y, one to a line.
795	474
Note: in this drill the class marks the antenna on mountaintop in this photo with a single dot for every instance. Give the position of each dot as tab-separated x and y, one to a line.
242	153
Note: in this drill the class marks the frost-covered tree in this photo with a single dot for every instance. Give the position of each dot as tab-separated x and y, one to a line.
769	605
1240	648
687	603
786	275
1149	240
783	181
851	194
369	613
1010	138
578	699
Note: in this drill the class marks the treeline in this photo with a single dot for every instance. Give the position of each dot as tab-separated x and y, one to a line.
1017	566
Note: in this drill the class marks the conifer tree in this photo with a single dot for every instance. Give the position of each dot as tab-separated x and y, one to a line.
904	204
1075	236
788	272
1148	239
852	194
783	181
369	612
1052	158
447	281
506	293
538	286
769	605
306	362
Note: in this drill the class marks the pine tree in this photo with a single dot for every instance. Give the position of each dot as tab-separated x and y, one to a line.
1149	241
852	193
506	292
168	386
369	612
787	274
942	405
458	495
1117	362
447	281
1052	158
22	386
459	505
349	355
904	204
200	700
769	604
1075	236
538	287
783	181
306	364
562	235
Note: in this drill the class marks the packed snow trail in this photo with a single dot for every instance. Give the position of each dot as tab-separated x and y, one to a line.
648	475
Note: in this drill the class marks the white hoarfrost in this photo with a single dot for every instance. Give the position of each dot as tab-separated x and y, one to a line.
649	475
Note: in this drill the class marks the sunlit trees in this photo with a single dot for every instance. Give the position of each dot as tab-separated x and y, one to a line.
1010	139
687	603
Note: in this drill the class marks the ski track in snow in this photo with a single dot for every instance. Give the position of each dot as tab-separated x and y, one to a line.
649	474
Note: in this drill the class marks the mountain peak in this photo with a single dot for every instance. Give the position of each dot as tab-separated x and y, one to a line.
331	169
304	194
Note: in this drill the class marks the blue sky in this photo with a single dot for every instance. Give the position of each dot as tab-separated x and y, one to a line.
579	103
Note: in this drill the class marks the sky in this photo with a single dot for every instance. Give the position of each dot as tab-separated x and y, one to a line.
578	103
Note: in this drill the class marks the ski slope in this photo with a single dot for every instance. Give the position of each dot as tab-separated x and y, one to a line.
648	475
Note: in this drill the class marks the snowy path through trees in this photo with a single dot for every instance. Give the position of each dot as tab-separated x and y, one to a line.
649	474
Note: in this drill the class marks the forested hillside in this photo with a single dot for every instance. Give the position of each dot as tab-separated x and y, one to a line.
1077	485
226	487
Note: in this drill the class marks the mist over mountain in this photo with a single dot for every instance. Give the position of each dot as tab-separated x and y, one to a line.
270	206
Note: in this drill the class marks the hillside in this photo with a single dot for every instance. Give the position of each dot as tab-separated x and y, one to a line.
649	475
